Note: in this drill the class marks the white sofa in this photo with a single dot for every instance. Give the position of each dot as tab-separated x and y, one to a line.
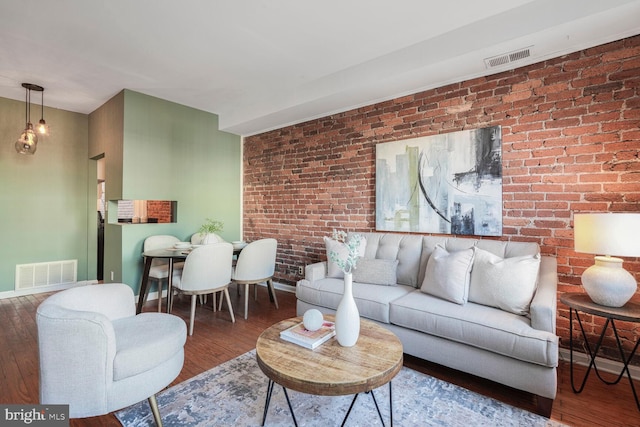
518	350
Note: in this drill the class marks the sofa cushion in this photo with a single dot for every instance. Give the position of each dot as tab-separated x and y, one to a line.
447	274
504	249
406	248
376	271
372	300
477	325
505	283
339	248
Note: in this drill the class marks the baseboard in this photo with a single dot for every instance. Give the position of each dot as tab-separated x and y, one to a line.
43	289
605	365
283	287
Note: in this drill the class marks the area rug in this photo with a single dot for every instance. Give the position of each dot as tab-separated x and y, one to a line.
233	394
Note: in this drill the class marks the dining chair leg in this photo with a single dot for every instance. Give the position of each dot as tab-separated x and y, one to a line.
193	314
154	409
272	291
226	296
246	300
255	292
214	298
159	296
220	303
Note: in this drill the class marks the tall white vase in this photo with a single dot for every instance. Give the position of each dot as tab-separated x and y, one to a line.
347	316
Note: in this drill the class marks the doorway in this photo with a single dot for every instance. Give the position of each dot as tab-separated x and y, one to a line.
101	217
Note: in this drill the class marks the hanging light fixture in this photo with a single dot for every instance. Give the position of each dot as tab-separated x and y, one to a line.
28	141
43	129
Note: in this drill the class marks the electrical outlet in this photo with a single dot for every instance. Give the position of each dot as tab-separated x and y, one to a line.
112	275
301	270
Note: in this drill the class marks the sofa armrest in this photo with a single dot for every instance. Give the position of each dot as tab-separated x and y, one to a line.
545	300
317	271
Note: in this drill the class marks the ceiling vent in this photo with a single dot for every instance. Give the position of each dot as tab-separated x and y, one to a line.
507	58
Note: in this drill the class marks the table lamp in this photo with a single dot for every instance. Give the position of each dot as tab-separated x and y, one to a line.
607	234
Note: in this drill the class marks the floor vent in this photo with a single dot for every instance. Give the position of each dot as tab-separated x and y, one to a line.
30	276
507	58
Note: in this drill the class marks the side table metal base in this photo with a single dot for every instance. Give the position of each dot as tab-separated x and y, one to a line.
594	353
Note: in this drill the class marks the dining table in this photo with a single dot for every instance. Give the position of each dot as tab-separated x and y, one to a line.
171	254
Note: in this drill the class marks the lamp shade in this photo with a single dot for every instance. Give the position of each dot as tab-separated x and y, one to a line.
615	234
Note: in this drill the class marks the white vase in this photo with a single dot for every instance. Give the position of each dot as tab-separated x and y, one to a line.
210	238
347	316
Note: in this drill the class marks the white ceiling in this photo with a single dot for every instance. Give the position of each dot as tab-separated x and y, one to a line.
261	65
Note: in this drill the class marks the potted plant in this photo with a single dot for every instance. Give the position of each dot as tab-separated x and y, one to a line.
208	231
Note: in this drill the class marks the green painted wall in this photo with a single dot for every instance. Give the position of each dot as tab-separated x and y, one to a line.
168	152
43	198
153	149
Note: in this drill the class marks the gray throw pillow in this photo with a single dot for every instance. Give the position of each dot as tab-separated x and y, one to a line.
376	271
505	283
447	274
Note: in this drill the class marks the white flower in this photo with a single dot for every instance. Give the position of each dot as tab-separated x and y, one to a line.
352	243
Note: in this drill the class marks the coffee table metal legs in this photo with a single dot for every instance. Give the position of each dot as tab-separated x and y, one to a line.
268	401
295	422
377	407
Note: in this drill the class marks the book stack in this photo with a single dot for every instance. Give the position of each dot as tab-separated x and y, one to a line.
298	334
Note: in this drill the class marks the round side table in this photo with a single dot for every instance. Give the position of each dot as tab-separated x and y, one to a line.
630	312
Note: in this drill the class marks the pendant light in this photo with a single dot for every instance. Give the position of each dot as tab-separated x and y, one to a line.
43	129
28	141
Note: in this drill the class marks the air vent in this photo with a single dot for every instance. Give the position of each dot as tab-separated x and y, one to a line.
45	273
507	58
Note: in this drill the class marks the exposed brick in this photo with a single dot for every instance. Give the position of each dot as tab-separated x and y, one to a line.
570	144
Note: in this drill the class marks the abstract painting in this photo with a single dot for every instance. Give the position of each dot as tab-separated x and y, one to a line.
448	183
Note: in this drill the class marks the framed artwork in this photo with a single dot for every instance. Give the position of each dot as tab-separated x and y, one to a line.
449	183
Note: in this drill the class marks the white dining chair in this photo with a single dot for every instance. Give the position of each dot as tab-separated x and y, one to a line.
256	264
206	270
159	271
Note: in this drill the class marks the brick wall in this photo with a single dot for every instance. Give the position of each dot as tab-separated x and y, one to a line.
571	143
160	209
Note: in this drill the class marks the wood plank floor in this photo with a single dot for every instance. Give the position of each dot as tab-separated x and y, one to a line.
217	340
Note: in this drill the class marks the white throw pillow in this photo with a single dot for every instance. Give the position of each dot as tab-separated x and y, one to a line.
505	283
376	271
338	247
447	274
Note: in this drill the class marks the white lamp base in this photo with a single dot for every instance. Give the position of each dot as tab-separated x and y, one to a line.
607	283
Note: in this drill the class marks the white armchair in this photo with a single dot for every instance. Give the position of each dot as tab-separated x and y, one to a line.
97	356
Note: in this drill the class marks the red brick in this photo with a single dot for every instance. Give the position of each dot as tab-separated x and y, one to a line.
570	144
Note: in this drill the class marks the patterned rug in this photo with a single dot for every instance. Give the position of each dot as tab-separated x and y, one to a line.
233	394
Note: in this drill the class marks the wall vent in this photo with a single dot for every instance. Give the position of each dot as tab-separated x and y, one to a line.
507	58
29	276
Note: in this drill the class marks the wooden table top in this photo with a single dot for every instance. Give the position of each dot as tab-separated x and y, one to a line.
330	369
630	312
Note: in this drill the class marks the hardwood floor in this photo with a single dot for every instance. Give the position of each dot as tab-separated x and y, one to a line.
216	340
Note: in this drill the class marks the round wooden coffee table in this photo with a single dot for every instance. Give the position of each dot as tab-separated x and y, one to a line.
330	369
